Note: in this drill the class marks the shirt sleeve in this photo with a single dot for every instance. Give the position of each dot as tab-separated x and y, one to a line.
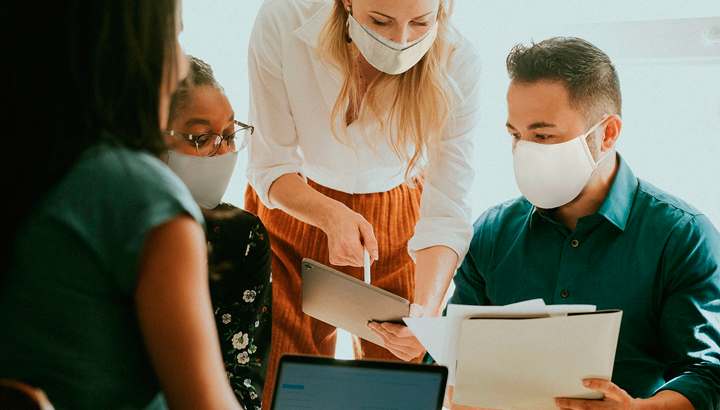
690	321
273	149
469	280
445	209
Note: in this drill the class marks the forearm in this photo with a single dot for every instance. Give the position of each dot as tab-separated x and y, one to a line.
434	271
175	317
298	199
348	232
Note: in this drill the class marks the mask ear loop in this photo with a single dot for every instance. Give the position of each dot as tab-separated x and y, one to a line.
593	130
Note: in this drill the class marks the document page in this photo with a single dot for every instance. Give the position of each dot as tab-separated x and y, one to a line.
523	364
440	335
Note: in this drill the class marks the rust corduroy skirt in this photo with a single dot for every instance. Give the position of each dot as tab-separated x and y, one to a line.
392	214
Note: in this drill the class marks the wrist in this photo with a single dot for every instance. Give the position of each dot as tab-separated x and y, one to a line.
329	213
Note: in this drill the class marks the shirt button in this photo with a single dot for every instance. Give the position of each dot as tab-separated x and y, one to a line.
564	293
574	243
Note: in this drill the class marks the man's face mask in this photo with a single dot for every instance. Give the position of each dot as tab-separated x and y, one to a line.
551	175
386	55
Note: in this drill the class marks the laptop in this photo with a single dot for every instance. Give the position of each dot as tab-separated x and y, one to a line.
348	303
324	383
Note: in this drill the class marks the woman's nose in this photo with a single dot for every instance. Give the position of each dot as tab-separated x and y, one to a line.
222	149
401	35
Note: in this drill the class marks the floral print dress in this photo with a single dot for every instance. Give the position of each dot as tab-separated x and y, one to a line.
241	292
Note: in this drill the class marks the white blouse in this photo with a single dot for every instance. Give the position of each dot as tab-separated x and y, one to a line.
291	99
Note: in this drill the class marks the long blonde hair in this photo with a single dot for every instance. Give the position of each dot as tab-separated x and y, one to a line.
417	102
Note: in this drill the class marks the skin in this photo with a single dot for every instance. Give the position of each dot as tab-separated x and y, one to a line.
541	113
173	305
400	21
348	232
207	110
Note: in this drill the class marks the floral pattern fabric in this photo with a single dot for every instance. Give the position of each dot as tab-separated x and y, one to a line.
241	292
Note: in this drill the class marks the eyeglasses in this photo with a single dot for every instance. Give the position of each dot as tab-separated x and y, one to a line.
209	143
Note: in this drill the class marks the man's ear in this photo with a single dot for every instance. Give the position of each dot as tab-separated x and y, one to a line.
611	132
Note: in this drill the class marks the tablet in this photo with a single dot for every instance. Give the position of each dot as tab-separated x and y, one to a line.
320	383
348	303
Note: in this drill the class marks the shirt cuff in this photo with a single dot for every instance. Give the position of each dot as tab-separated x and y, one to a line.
701	393
441	231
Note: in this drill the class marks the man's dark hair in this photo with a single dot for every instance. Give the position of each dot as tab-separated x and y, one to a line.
585	70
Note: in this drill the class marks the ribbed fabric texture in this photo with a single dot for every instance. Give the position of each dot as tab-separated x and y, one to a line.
393	215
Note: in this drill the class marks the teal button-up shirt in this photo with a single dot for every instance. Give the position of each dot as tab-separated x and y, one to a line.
645	252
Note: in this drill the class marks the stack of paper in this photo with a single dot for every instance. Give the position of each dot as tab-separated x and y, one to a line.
521	356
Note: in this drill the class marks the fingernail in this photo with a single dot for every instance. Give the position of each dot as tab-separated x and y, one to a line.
586	382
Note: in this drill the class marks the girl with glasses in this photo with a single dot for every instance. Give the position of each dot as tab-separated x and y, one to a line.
204	140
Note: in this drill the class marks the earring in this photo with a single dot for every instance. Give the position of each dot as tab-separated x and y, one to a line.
347	23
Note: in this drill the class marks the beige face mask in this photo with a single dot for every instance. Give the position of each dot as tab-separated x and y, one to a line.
551	175
386	55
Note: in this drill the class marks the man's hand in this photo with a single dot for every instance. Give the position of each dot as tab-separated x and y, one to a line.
618	399
398	339
615	398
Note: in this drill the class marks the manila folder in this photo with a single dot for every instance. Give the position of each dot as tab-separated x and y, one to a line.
519	364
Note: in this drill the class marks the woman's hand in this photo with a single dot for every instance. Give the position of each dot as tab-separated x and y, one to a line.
398	339
349	234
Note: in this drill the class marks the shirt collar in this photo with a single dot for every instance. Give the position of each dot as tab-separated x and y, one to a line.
618	203
310	30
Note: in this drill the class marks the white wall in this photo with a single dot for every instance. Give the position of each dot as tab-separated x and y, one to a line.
670	81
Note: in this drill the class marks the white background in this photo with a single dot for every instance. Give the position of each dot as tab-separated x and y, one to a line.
667	54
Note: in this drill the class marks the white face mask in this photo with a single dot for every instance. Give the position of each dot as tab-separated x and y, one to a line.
551	175
207	178
386	55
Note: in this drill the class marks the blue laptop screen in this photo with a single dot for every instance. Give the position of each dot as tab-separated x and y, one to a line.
327	386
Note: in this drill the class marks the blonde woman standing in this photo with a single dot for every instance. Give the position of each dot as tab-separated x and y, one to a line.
365	111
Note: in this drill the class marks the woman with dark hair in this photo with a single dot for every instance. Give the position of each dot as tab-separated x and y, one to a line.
104	297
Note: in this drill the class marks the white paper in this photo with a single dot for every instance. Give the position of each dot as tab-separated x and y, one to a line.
439	336
523	364
430	332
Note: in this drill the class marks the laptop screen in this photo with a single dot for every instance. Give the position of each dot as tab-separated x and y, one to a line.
309	382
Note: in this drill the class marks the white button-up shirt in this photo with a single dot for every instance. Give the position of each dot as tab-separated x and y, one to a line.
291	98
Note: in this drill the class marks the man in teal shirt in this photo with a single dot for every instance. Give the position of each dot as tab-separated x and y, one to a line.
587	231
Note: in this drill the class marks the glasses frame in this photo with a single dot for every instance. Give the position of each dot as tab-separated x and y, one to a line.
196	138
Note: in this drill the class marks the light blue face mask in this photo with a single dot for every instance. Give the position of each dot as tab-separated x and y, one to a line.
207	178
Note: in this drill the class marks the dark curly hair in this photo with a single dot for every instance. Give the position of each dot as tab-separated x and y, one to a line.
201	75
